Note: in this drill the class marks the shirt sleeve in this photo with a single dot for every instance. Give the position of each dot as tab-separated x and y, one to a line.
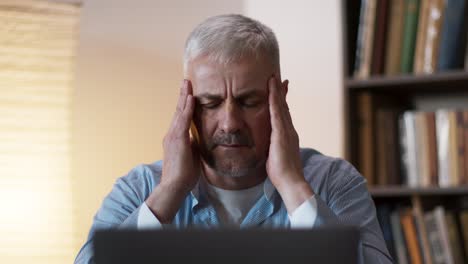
146	218
346	201
304	216
120	209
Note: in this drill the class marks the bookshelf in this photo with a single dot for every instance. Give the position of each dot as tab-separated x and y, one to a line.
454	81
400	89
402	92
403	191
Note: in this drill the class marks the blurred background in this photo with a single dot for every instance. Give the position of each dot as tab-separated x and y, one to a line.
88	87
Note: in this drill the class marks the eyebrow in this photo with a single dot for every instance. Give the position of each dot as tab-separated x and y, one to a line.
244	95
208	96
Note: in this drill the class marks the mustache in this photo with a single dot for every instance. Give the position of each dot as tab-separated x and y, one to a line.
230	139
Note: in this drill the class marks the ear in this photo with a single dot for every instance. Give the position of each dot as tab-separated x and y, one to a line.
284	85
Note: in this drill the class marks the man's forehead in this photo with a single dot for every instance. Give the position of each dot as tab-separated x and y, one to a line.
207	76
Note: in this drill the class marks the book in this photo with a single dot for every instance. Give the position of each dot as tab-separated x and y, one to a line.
366	156
465	139
455	243
422	231
460	147
382	169
453	36
388	158
401	251
463	219
383	216
439	249
453	149
432	148
443	147
409	155
456	212
365	39
394	37
409	35
409	231
360	38
380	32
422	149
430	32
421	35
466	56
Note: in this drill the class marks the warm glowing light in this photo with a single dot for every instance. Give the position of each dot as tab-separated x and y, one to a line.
37	45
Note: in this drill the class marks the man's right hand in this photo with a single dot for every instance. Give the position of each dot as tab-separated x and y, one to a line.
181	161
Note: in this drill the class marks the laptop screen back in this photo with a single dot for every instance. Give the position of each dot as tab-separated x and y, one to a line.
321	245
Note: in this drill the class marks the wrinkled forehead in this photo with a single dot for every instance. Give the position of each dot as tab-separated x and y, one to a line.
210	76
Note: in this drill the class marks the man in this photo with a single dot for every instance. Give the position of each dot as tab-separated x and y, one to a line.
242	166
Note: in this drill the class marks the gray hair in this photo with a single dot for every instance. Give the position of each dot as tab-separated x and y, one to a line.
229	38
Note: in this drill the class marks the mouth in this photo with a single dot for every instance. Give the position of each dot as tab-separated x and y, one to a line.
232	146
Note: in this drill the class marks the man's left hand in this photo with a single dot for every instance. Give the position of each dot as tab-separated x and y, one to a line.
284	166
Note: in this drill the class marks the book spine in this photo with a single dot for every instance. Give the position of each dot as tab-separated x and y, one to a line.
380	33
411	150
451	48
435	241
409	35
366	157
443	150
421	37
460	130
421	135
409	229
394	38
382	175
387	156
465	139
360	38
439	215
422	231
391	143
431	43
466	57
455	246
463	220
400	245
432	144
367	40
453	149
383	215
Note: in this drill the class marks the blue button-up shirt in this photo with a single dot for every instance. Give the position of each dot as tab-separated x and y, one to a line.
341	197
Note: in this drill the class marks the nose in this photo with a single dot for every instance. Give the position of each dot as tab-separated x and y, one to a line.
231	118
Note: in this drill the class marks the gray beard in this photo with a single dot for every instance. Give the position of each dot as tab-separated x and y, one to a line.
233	172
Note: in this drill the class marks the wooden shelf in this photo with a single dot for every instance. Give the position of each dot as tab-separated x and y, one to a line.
402	191
455	81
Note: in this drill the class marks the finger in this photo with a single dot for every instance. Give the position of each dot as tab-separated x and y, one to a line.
195	153
189	87
284	89
274	97
286	115
182	97
180	104
187	115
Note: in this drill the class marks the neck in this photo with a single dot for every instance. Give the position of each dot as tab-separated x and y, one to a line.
254	178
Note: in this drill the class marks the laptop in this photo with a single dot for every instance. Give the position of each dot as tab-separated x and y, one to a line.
321	245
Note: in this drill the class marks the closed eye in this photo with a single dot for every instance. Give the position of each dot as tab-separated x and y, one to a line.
211	105
250	104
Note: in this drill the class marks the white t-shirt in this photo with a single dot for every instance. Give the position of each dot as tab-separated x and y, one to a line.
233	205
